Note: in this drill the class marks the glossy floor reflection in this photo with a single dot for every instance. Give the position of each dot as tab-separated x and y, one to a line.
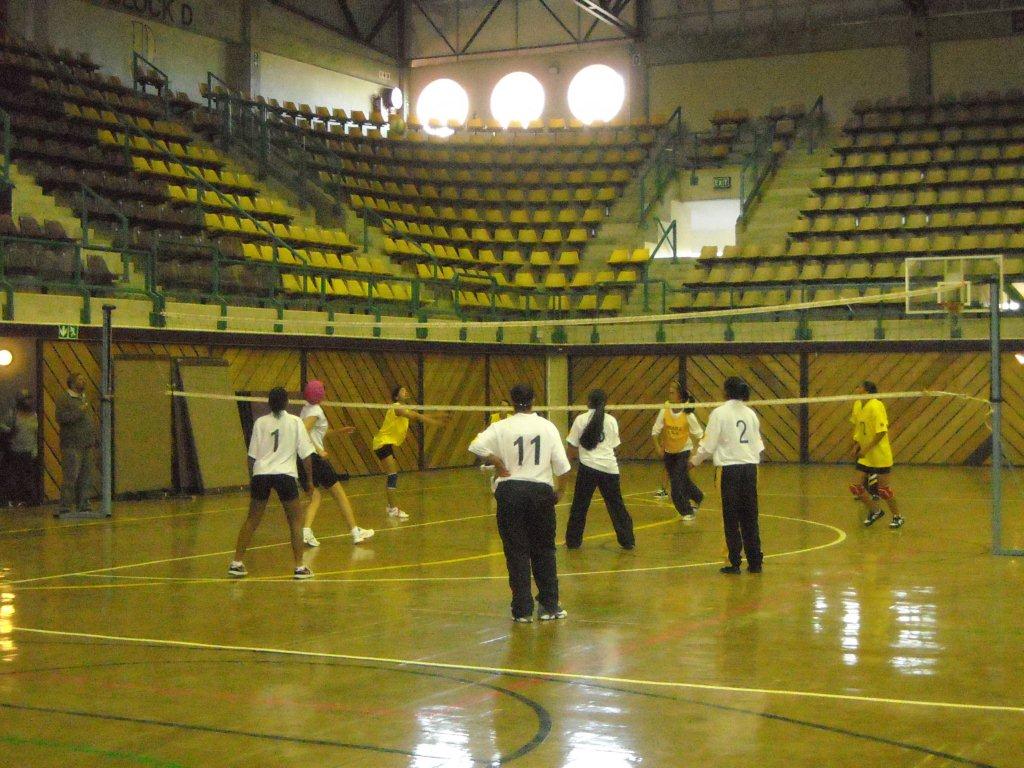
122	642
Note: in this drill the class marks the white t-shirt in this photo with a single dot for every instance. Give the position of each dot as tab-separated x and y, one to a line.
696	430
276	442
733	436
319	430
528	445
602	458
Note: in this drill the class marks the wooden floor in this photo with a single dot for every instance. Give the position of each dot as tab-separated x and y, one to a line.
122	643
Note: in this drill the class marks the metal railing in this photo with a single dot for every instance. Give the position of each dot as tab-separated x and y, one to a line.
62	277
663	164
6	142
142	71
86	193
763	161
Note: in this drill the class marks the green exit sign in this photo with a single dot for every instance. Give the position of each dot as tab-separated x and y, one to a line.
723	182
67	332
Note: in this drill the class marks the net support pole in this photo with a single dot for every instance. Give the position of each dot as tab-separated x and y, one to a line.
107	415
995	397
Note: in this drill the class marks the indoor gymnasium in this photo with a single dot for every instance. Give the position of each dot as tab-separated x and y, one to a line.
543	383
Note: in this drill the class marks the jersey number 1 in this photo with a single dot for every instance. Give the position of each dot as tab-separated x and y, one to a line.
276	434
521	445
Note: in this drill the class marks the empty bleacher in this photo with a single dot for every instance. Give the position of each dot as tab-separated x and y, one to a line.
943	178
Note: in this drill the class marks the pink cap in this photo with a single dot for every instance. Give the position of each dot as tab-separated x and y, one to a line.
314	391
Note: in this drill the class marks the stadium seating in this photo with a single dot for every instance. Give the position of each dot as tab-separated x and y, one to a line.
905	179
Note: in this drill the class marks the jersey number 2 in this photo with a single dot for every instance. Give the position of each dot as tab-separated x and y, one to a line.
742	427
521	445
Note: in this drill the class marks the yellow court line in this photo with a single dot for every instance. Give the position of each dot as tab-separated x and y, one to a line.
404	527
147	581
841	537
575	677
118	521
166	560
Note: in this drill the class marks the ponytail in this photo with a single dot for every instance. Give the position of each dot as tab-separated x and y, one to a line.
593	433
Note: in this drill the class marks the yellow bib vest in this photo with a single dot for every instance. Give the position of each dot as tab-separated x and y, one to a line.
676	432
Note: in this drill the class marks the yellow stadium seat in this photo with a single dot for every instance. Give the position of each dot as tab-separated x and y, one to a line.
569	259
640	256
582	280
540	259
619	256
555	281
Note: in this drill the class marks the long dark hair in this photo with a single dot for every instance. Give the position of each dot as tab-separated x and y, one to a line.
593	433
278	400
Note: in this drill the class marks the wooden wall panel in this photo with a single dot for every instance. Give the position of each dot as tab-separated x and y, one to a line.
453	380
925	430
260	370
626	379
504	371
1013	409
769	376
363	377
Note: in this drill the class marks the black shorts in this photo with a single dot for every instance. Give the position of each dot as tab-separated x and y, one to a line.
873	470
285	485
384	451
324	475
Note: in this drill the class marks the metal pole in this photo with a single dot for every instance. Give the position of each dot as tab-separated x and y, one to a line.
995	397
107	415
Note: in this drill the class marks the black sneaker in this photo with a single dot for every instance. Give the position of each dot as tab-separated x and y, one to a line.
753	569
729	569
874	515
558	612
897	522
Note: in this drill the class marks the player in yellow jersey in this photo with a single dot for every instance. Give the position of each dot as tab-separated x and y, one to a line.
393	433
874	456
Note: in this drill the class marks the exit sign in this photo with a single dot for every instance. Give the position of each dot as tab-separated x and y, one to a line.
723	182
68	332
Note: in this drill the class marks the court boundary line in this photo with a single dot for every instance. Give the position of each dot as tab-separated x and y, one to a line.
534	674
402	526
167	580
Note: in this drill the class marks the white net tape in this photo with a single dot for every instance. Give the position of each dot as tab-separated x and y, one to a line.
776	402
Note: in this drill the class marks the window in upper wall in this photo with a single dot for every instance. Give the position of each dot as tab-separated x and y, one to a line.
442	102
596	93
518	97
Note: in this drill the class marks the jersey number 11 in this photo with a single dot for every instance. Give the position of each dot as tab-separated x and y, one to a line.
520	444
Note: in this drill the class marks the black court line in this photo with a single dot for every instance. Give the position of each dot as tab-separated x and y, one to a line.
544	718
544	722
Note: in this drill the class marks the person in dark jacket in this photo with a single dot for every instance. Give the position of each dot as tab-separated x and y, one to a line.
77	444
21	469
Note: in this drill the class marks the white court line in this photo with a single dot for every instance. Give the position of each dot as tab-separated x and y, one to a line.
145	581
529	673
164	561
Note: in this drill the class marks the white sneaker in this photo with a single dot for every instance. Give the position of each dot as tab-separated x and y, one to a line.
396	512
361	534
308	538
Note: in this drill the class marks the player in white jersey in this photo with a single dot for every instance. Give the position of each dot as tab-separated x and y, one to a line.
594	436
279	439
530	463
733	439
324	474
